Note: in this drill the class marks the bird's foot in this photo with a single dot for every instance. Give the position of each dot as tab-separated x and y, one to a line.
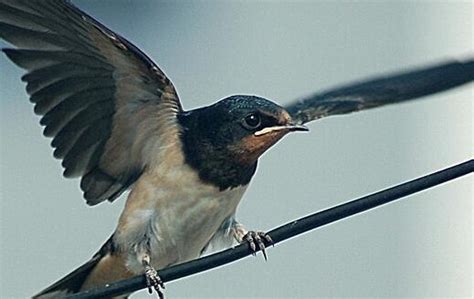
257	240
153	281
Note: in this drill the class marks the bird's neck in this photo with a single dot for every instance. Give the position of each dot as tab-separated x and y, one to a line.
214	163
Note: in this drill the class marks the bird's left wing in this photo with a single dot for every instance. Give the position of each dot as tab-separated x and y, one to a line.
382	91
108	107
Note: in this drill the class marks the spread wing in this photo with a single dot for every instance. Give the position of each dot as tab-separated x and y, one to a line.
382	91
104	102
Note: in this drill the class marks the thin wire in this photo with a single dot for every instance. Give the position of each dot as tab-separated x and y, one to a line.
287	231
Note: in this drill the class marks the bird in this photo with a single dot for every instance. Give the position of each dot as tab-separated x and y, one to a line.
117	122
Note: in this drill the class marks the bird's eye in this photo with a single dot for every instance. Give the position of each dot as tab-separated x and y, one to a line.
252	121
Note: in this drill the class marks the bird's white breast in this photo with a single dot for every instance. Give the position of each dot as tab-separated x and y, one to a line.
177	212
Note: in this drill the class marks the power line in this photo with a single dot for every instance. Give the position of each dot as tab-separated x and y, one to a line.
287	231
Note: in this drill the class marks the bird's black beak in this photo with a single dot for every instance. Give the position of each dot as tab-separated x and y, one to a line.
288	128
295	127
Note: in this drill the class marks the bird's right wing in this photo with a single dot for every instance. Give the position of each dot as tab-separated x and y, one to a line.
383	90
108	107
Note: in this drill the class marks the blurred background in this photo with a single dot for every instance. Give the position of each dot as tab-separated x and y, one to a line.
418	247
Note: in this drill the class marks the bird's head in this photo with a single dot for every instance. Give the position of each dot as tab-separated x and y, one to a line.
234	132
246	126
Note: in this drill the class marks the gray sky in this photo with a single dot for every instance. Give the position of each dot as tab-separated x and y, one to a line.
419	247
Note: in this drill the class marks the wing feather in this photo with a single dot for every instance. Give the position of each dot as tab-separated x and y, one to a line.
383	91
101	99
63	113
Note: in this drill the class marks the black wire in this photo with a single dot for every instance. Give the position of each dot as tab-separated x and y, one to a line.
287	231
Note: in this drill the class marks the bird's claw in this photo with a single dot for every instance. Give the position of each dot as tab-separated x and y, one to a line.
153	281
258	239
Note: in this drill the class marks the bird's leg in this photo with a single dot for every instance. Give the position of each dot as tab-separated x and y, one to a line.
153	281
256	239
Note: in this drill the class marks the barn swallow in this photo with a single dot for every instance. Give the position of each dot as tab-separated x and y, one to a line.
117	122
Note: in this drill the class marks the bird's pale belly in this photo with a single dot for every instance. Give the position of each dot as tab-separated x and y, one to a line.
175	221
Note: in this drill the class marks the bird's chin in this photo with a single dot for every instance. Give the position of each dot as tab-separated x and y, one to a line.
250	148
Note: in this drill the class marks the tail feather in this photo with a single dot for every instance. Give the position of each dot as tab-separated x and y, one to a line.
70	284
74	281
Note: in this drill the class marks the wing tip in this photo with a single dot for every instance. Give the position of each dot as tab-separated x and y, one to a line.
8	51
